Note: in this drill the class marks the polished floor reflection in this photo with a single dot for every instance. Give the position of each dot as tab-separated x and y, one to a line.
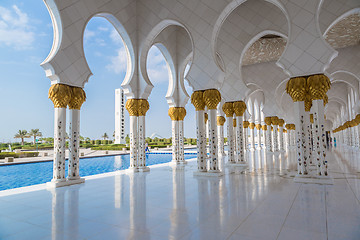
261	202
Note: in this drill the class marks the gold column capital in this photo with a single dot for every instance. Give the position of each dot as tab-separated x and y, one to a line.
264	127
234	122
318	85
252	125
60	95
177	113
78	98
258	126
312	118
220	120
296	88
212	97
275	120
246	124
272	128
267	120
228	109
137	107
281	122
197	99
206	117
239	108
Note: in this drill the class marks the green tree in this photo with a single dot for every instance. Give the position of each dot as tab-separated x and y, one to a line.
35	133
127	139
105	136
22	134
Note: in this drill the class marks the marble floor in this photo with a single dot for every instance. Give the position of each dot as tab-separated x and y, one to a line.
262	202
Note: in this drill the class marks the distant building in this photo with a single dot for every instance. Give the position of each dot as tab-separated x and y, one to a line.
119	116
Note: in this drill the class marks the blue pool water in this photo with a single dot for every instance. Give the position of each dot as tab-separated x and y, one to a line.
21	175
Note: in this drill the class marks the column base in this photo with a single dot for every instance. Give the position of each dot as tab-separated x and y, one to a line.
173	164
132	170
323	180
63	183
144	169
213	173
237	165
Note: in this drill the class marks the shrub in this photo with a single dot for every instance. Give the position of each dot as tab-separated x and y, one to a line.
97	142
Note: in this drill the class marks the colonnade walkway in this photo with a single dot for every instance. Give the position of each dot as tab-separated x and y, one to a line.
262	202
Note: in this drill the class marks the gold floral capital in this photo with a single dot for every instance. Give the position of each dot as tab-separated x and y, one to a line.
60	95
78	97
220	120
177	113
137	107
275	120
252	125
318	85
268	120
212	97
197	99
239	108
228	109
246	124
264	127
296	88
281	122
258	126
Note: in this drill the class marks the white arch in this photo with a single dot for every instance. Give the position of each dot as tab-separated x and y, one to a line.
348	13
144	48
226	12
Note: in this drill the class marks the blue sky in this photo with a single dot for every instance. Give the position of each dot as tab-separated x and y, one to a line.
25	40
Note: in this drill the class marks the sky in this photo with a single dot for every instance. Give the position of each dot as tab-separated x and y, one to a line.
26	36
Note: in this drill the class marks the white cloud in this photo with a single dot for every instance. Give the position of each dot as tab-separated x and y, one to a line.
88	34
156	66
15	29
115	36
118	63
103	29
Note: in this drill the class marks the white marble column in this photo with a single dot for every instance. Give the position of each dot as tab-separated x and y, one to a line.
74	130
230	136
201	141
59	145
269	139
258	128
281	138
220	128
181	142
264	130
252	136
275	138
175	141
240	140
133	127
214	161
299	116
319	123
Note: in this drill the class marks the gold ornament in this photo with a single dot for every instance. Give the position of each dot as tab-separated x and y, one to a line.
78	97
60	95
177	113
258	126
143	107
268	120
264	127
197	99
252	125
212	97
228	109
239	108
275	120
272	128
281	122
312	118
246	124
318	85
132	105
288	126
206	117
234	122
296	88
220	120
326	99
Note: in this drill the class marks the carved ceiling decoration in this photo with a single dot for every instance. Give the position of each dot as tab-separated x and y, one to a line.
345	33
